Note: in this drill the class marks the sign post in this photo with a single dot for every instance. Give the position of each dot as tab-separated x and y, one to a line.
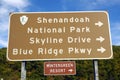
59	36
23	71
96	74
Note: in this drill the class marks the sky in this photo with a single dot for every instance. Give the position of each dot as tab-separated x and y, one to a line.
8	6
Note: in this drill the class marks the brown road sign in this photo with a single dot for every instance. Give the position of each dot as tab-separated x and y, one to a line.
59	36
60	68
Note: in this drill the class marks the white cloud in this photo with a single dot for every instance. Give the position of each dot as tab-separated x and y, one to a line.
6	7
15	4
3	43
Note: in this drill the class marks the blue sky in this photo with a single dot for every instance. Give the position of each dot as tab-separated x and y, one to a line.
7	6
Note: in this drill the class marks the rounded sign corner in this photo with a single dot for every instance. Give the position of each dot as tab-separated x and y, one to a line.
9	58
106	12
11	14
111	56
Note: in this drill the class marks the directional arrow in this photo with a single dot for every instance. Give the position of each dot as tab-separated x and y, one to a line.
70	70
101	49
101	39
99	23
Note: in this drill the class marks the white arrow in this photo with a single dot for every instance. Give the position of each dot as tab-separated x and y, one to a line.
101	39
70	70
99	23
101	49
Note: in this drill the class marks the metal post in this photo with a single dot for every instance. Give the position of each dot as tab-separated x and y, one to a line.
23	71
96	74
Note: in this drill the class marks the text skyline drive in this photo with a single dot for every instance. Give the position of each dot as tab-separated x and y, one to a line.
59	36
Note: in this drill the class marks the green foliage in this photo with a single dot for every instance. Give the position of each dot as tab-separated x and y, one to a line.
8	70
108	69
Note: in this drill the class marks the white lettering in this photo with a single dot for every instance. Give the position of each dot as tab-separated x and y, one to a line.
50	51
79	40
47	40
63	20
75	50
57	70
79	29
41	30
21	51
